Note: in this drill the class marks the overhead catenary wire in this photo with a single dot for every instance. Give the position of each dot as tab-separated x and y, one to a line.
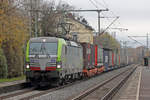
135	40
104	14
105	3
94	4
112	13
100	4
98	7
110	25
105	6
107	18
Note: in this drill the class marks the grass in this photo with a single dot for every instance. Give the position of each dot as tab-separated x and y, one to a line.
12	79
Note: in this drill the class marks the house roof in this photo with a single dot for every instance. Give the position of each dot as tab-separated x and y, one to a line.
79	21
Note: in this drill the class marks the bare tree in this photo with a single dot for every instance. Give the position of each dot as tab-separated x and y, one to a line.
48	19
53	18
45	18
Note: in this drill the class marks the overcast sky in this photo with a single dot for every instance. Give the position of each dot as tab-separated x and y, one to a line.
134	16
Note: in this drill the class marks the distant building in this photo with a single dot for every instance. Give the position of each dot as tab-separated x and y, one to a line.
80	29
73	27
131	54
140	53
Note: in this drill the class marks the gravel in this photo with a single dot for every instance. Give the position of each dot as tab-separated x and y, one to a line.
68	92
71	91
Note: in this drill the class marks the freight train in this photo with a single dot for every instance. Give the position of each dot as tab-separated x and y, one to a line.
52	60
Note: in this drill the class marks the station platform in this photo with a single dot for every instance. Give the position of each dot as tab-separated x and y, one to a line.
144	90
137	86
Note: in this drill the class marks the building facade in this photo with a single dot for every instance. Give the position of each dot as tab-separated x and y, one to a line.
81	29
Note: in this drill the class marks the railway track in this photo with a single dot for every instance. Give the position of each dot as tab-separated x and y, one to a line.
16	94
31	93
38	92
107	89
50	90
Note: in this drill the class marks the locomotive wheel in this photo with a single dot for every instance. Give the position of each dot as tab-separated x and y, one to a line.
73	77
61	82
79	76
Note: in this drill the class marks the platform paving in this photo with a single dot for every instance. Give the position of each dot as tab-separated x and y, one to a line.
129	90
137	86
144	93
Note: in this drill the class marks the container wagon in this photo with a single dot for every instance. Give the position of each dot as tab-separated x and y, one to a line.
99	58
88	59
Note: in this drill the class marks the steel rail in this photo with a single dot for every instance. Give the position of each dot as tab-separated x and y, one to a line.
42	92
114	90
16	94
89	91
51	90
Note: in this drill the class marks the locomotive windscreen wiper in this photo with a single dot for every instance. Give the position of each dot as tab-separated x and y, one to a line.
43	49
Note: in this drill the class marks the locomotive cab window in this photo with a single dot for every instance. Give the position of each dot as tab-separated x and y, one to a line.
43	48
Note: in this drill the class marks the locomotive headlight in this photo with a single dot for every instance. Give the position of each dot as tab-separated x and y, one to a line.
27	66
58	66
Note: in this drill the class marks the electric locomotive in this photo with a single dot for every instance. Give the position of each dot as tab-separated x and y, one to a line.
51	60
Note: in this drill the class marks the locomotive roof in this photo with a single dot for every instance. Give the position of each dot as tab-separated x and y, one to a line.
54	39
46	39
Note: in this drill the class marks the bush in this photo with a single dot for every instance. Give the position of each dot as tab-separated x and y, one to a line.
3	65
14	56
